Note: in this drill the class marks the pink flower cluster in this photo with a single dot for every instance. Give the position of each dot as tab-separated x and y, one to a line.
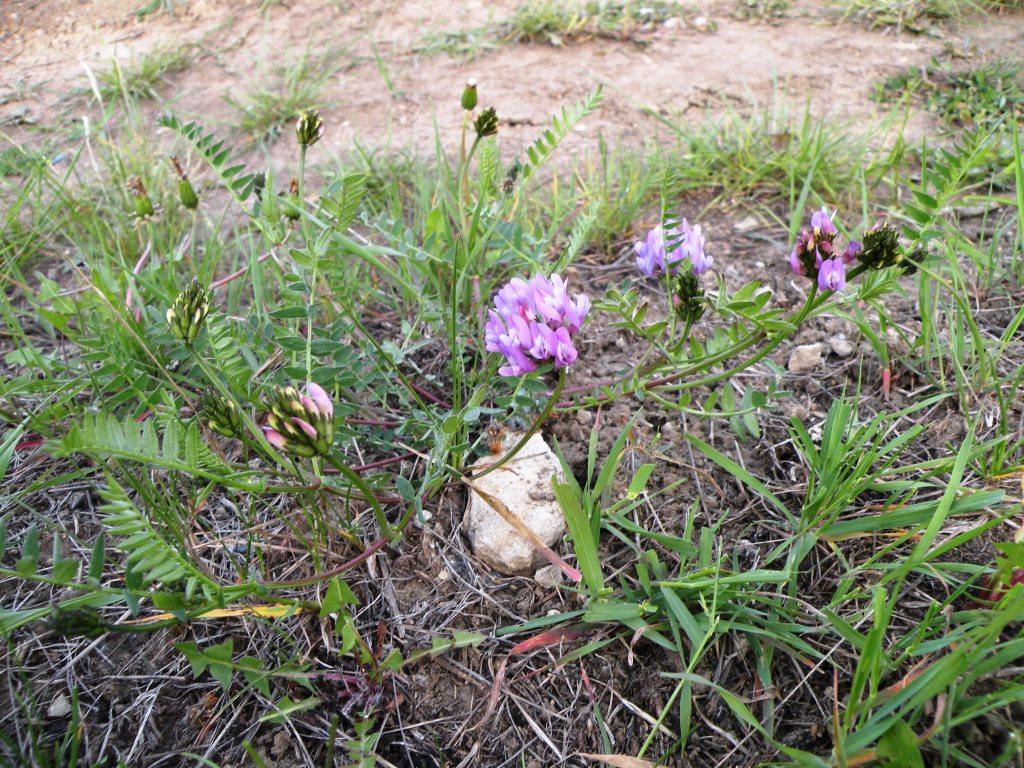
534	322
815	253
654	258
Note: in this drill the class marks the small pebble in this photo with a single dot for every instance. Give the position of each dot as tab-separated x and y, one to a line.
59	707
805	358
841	346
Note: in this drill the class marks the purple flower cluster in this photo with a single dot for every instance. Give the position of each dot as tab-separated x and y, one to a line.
816	254
654	258
534	322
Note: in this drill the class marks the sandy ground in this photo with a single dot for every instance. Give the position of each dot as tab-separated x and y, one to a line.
685	69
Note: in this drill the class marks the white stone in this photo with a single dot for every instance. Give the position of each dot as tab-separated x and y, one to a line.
523	485
805	358
841	346
59	707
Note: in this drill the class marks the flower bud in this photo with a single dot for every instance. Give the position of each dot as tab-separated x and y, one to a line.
487	123
300	423
292	205
185	317
689	296
186	193
222	416
309	128
881	247
509	182
469	95
259	183
143	205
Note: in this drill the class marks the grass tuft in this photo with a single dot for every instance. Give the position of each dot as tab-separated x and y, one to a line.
263	110
140	78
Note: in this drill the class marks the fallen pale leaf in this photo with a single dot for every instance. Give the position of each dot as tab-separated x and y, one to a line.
264	611
619	761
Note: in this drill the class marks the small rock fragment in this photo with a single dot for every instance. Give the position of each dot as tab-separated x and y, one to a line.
59	707
282	741
805	358
841	346
550	576
523	485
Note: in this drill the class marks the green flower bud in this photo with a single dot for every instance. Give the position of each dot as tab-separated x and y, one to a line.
186	193
881	247
690	303
222	416
469	95
143	205
292	205
185	317
309	128
78	622
487	123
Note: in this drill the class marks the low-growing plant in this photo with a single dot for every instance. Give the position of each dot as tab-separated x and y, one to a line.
979	96
261	410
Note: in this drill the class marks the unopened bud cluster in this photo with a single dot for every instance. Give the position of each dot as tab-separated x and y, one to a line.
882	249
300	423
689	296
487	123
222	416
309	128
185	317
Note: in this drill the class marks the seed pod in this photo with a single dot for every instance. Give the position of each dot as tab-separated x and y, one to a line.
309	128
185	317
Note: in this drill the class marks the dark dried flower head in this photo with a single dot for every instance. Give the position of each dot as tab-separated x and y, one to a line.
469	95
309	128
185	317
222	416
487	123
